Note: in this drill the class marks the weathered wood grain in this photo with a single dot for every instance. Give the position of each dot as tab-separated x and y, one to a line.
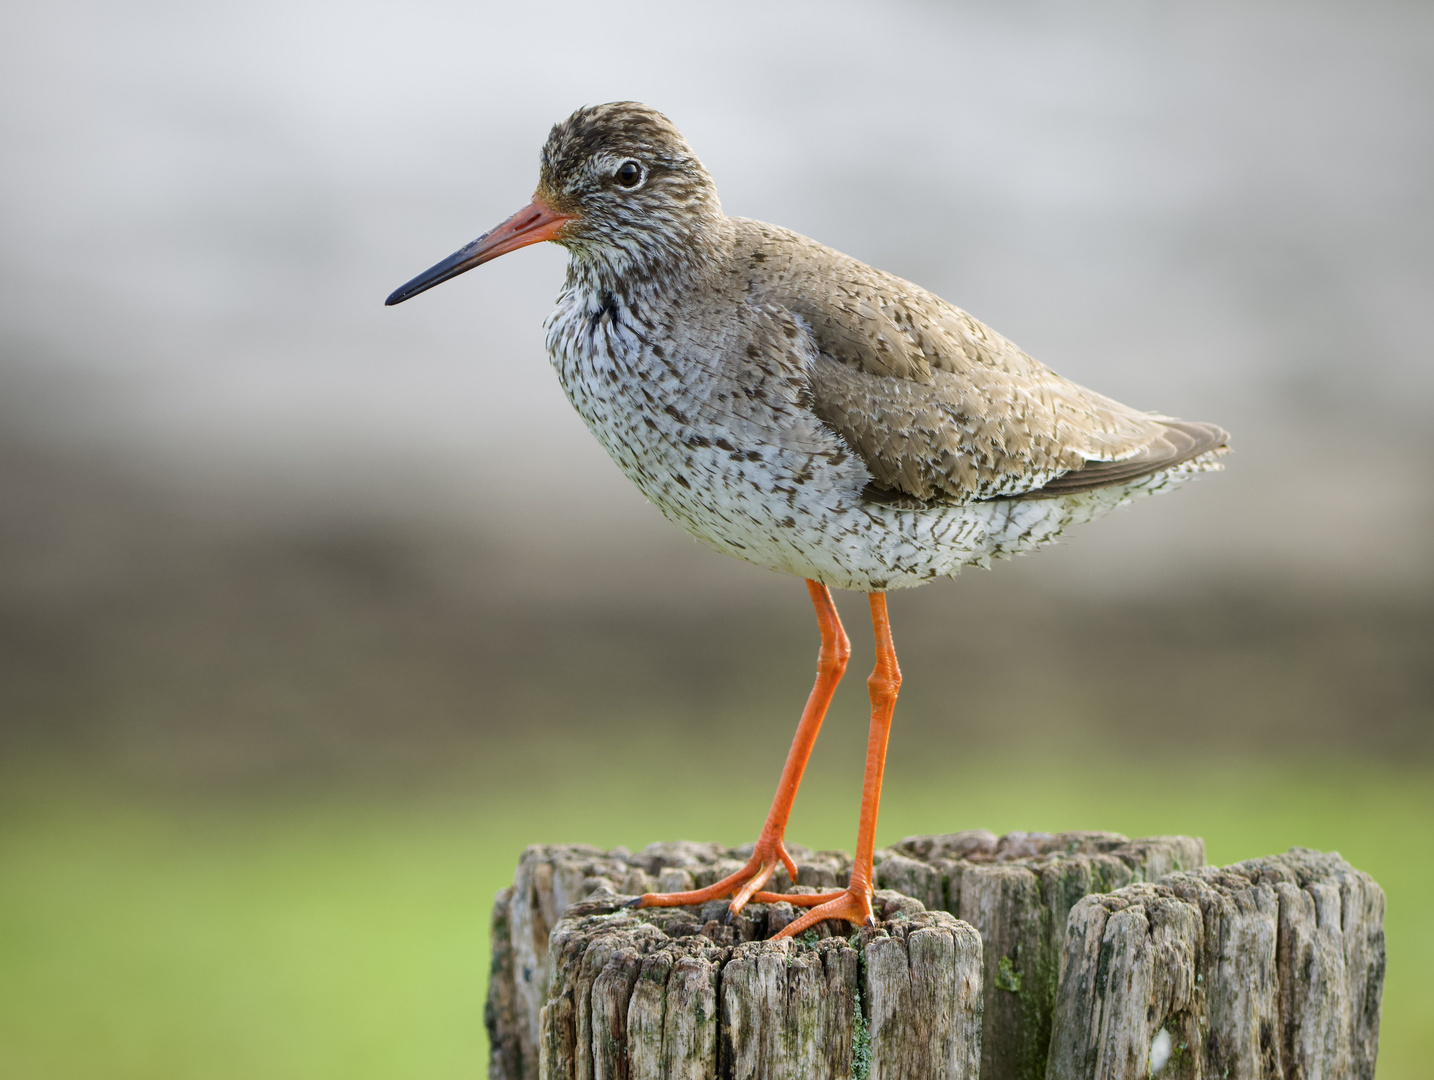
1111	956
551	878
1016	890
652	995
503	1014
1268	968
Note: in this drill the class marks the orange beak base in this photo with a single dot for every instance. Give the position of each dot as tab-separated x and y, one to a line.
531	225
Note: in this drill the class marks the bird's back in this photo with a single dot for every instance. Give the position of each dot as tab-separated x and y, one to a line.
940	407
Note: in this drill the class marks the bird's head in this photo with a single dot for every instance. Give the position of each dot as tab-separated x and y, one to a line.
619	187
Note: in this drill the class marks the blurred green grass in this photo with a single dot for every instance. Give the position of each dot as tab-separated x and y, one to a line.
343	933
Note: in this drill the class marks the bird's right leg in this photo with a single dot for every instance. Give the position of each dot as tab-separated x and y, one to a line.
769	853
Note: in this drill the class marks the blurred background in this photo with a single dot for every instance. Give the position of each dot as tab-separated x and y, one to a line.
313	614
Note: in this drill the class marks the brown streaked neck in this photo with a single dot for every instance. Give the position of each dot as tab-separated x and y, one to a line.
667	262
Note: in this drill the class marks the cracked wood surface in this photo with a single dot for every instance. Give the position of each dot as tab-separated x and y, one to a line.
1095	948
1015	890
650	995
1268	968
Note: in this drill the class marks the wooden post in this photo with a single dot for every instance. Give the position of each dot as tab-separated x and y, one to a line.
553	877
1275	964
1268	968
653	994
1016	890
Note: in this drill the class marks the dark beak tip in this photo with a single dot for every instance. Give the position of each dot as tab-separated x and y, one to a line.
527	226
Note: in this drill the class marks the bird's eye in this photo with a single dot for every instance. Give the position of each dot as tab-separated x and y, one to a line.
629	174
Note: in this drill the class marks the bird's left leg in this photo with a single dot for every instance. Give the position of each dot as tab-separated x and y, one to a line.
769	851
854	902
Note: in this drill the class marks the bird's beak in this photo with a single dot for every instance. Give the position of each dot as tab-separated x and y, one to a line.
534	223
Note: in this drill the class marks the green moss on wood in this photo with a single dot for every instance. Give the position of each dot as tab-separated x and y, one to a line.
860	1044
1007	977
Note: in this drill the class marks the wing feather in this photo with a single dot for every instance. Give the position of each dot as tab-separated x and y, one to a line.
1179	442
940	407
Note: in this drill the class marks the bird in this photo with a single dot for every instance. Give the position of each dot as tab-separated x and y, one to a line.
791	406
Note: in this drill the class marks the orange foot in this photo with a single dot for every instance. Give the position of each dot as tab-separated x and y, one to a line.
852	904
741	886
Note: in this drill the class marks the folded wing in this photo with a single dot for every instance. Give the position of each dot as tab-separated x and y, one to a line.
941	408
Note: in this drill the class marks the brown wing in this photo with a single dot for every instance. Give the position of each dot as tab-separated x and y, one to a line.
940	407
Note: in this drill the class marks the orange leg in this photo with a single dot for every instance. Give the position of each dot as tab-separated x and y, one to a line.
854	902
769	852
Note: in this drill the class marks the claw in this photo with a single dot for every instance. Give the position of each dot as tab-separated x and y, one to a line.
635	902
852	904
741	886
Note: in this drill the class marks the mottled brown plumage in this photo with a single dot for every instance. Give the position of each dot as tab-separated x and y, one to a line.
940	407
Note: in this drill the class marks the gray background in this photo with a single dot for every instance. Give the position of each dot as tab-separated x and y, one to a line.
252	519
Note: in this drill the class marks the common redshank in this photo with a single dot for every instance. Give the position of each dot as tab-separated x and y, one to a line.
793	407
